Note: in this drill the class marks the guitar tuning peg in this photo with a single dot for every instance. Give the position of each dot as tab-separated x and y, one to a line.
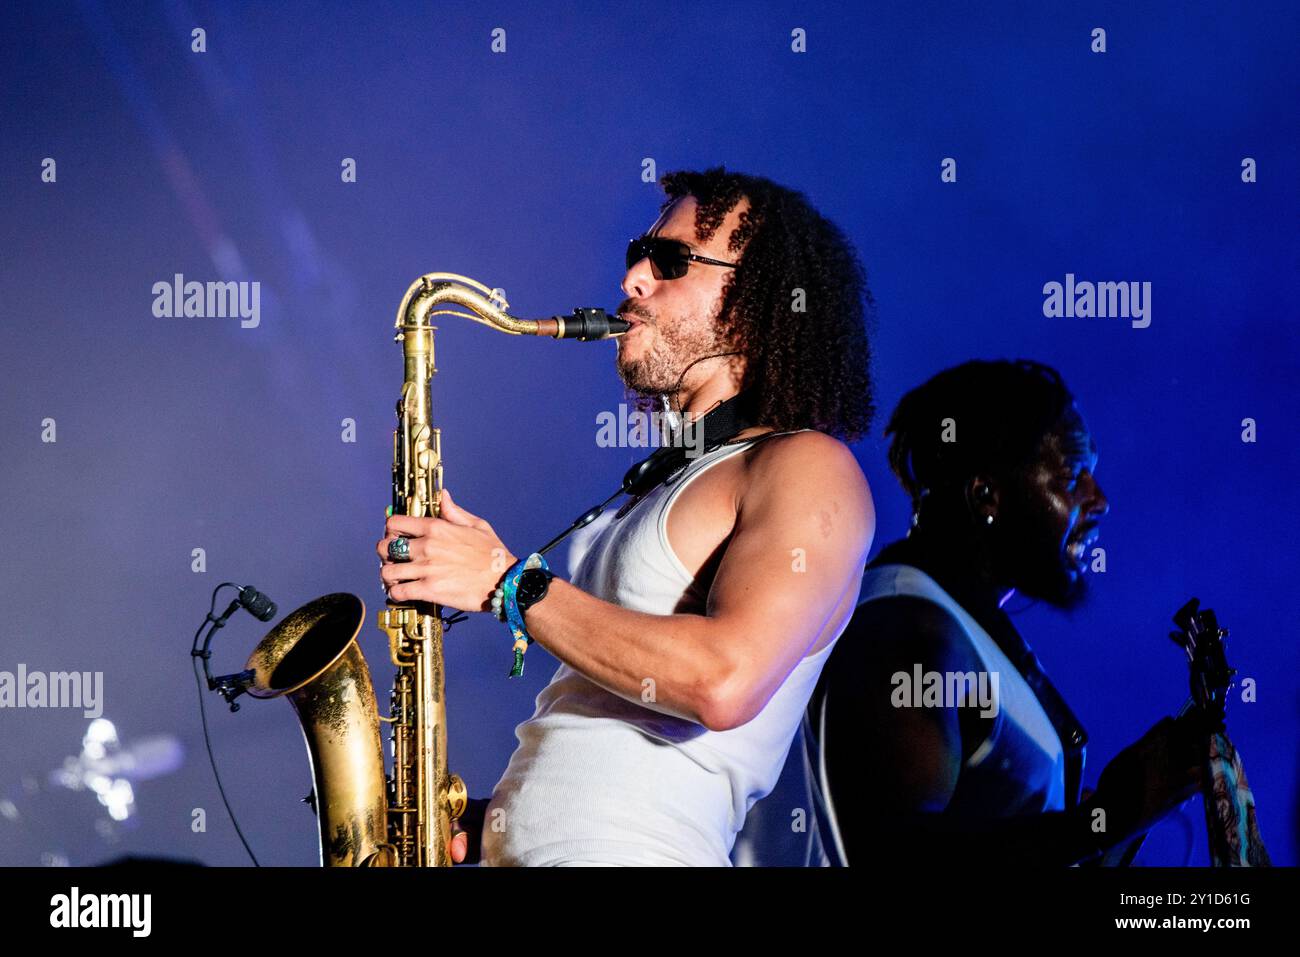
1184	617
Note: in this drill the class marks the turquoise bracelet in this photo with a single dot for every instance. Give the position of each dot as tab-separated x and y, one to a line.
505	605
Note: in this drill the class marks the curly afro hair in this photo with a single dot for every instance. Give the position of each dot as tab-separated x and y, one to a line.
805	369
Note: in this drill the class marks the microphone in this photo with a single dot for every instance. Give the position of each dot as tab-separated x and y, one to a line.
257	604
585	325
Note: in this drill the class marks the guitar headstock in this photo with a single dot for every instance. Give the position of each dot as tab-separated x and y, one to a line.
1211	679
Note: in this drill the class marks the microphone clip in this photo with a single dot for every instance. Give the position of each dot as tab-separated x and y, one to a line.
232	686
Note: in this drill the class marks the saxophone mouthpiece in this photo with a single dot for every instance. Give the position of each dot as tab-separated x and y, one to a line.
585	325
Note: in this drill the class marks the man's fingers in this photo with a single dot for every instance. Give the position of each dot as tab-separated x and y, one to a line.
452	512
395	572
407	526
459	846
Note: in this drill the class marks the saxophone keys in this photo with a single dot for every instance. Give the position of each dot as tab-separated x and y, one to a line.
457	796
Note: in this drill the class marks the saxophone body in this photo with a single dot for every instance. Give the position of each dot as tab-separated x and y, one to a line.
368	818
423	796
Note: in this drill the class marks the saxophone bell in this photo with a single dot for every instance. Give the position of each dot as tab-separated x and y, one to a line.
312	659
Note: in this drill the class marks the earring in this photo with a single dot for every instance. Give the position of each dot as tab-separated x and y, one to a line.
988	519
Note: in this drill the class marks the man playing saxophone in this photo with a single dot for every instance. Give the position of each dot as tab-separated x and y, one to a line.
698	617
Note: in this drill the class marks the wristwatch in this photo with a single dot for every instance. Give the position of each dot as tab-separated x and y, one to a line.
533	583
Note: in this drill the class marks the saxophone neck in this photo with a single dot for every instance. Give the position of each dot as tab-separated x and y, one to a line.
436	289
488	307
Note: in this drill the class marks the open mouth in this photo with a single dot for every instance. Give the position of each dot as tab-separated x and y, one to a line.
1078	548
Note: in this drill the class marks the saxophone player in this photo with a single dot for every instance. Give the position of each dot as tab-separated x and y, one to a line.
698	617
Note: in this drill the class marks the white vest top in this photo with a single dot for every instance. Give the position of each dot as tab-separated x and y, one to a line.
1018	769
600	780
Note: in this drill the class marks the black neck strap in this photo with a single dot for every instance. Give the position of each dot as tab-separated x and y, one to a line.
722	422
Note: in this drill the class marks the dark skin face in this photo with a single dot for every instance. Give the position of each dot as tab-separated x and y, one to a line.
1046	517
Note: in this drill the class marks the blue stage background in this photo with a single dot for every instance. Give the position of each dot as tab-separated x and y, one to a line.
523	170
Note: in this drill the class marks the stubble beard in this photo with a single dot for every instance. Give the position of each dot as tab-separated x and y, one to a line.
658	369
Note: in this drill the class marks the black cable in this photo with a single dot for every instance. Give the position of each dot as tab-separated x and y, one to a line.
203	716
195	654
689	366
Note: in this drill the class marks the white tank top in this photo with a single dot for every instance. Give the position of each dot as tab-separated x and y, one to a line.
1018	769
600	780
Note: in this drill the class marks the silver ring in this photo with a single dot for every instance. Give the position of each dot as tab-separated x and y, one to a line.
399	550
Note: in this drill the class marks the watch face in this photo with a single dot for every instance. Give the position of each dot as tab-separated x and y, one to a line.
532	585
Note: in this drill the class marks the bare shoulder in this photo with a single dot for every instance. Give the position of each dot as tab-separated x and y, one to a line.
807	460
808	471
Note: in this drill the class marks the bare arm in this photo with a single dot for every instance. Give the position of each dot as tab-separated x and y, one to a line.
719	669
887	761
893	771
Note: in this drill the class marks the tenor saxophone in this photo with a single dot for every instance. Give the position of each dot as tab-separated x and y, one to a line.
366	817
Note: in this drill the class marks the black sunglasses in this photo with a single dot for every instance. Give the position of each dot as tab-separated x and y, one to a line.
669	258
